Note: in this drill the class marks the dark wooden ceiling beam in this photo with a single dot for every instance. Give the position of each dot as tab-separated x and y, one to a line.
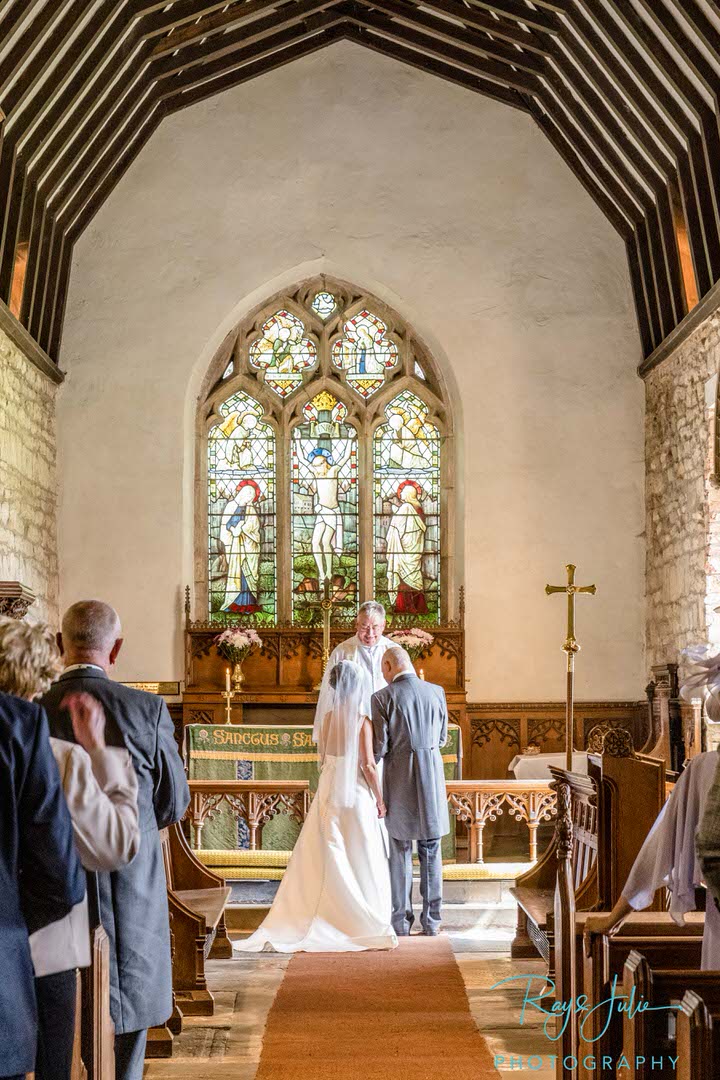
263	45
501	30
520	12
577	166
213	25
159	18
611	80
216	49
478	65
38	118
663	115
237	75
412	58
411	15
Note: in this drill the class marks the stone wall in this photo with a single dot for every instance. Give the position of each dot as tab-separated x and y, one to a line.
682	498
28	479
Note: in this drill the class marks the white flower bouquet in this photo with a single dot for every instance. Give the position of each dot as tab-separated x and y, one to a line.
414	641
237	642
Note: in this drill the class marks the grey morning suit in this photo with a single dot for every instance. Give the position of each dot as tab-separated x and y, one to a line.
410	723
133	900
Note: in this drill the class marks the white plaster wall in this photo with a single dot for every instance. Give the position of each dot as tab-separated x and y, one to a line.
459	213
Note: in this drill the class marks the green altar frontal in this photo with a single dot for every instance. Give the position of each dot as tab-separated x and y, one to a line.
271	752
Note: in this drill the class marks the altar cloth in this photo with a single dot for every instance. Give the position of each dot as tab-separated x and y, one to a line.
271	752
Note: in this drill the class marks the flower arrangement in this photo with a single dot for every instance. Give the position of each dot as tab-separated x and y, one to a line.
237	642
414	641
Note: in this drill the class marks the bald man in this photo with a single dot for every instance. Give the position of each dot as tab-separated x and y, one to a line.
410	724
133	900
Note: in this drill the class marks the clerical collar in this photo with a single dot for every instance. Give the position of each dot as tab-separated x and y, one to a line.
77	667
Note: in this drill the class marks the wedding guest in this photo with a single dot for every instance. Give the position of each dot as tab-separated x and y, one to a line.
668	858
133	900
41	879
101	792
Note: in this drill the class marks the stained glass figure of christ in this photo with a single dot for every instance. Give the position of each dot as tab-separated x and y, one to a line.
241	512
406	491
324	508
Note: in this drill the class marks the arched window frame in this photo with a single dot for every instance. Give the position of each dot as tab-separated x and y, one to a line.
283	415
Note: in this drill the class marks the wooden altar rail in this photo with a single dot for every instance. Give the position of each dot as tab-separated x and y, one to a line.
256	801
476	802
472	802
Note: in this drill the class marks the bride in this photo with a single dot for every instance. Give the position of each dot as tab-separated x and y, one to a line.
335	894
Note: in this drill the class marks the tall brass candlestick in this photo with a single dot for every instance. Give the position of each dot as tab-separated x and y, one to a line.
570	647
228	695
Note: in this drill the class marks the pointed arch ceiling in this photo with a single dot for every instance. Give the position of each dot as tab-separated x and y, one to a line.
626	90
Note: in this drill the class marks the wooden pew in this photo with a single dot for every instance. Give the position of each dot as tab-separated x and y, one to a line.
648	1034
94	1043
197	899
196	902
608	832
535	890
664	944
698	1039
578	976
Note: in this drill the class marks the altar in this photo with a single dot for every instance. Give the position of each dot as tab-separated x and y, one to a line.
271	752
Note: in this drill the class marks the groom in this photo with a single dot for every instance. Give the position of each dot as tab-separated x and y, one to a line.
410	723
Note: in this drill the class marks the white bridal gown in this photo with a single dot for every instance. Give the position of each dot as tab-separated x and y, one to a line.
335	893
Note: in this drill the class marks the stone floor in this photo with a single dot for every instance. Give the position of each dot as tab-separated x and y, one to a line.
228	1044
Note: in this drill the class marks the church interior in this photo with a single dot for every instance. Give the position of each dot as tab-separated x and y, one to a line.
310	303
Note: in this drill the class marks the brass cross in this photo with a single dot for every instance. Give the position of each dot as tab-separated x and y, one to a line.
570	647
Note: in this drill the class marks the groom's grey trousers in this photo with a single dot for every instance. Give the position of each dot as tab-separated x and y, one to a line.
430	856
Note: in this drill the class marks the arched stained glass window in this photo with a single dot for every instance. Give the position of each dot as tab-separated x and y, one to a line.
406	491
241	512
327	434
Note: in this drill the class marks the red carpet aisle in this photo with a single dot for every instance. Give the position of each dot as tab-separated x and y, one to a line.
400	1015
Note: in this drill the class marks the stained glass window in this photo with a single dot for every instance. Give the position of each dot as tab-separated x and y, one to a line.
324	304
241	513
324	509
283	353
324	462
365	353
406	512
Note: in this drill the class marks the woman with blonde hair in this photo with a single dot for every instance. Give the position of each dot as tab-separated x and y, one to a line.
100	788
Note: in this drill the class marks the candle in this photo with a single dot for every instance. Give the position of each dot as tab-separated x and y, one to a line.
421	673
227	680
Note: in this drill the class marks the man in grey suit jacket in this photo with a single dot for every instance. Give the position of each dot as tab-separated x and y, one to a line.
133	900
410	722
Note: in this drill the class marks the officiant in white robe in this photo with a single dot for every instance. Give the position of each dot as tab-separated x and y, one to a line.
668	858
366	647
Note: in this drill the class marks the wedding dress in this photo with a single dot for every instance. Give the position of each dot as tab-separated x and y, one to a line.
335	893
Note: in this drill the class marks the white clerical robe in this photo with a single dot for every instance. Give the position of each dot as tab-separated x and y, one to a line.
369	658
668	855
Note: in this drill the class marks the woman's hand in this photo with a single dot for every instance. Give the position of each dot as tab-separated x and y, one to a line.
88	720
381	809
605	923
